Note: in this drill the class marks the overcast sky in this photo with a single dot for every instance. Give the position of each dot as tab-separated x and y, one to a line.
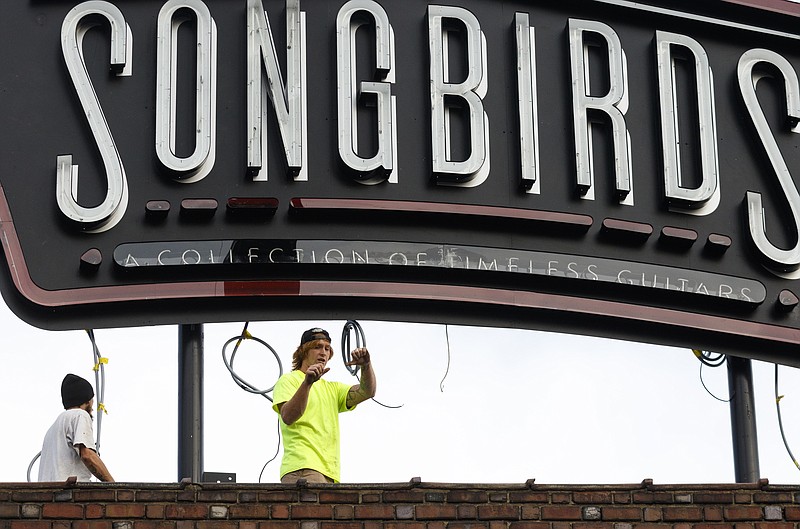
514	405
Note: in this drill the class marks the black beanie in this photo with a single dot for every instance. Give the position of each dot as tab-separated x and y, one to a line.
75	391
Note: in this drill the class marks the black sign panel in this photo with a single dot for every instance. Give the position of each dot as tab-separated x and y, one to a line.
603	167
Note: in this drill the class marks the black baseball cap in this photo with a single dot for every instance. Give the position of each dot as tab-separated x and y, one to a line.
315	334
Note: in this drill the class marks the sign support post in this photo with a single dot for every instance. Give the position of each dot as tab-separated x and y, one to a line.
743	420
190	402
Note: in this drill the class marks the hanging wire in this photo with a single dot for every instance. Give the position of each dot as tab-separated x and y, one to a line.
242	383
447	371
100	385
780	421
352	326
100	391
277	450
250	388
711	360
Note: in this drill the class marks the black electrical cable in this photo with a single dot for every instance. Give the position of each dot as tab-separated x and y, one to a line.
242	383
706	388
780	421
361	341
447	371
277	450
711	360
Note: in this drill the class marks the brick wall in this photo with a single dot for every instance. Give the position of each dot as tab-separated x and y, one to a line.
413	505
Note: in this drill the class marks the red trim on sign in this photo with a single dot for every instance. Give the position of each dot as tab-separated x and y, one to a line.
778	6
351	204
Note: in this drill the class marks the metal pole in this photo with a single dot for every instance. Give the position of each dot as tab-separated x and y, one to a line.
743	420
190	402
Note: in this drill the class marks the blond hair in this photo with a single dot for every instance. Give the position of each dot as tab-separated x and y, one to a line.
302	350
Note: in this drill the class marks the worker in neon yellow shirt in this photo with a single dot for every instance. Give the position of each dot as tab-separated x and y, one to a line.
309	408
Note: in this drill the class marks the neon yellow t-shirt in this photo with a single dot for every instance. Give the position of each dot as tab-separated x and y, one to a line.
313	440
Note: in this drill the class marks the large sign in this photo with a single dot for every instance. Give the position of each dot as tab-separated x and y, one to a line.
608	167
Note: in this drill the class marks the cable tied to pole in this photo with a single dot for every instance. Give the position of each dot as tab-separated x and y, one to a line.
241	382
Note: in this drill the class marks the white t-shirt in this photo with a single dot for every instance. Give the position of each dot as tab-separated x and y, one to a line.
61	456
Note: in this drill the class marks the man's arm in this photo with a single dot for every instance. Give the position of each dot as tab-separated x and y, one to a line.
94	463
294	408
367	385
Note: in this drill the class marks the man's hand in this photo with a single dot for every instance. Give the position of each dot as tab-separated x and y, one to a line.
315	372
365	389
359	357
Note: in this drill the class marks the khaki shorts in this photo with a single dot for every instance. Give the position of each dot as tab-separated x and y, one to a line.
311	476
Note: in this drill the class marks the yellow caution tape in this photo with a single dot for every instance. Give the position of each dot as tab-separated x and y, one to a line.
102	407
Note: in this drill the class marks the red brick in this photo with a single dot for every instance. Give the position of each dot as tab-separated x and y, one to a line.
126	510
622	497
652	514
437	512
467	525
404	525
627	514
340	525
467	496
683	514
87	495
467	512
791	513
713	526
62	510
403	496
126	495
95	511
743	497
276	497
528	497
30	524
156	511
94	524
156	495
374	512
252	510
186	512
775	525
561	497
23	496
218	496
216	524
529	525
9	510
591	497
740	514
335	496
772	497
530	512
713	514
278	525
313	512
713	497
551	512
593	525
152	524
498	512
279	512
342	512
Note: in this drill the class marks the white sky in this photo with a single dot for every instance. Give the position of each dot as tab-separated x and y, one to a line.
516	405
